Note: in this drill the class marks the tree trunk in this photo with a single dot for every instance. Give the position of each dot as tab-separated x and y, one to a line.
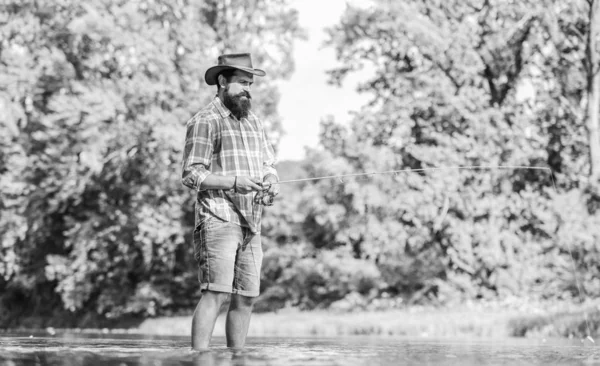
593	108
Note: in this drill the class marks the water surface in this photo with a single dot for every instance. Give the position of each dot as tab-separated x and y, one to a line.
78	349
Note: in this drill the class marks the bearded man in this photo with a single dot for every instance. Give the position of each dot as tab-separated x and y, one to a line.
227	161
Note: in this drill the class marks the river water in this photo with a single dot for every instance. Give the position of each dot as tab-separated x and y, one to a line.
78	349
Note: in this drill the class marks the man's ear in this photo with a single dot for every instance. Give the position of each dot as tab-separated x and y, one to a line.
222	81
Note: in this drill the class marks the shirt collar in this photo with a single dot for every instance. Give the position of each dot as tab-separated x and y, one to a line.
224	111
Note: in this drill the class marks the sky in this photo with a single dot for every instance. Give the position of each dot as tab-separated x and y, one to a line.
306	97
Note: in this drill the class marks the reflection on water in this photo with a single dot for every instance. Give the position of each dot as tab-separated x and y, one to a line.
69	349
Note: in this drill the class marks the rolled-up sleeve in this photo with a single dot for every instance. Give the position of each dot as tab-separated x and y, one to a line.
269	159
197	154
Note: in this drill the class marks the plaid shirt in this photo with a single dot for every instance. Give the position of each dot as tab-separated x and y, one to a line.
218	143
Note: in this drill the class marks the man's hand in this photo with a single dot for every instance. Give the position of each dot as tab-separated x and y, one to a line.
270	189
270	185
245	185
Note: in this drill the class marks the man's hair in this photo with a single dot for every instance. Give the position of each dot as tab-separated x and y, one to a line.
227	74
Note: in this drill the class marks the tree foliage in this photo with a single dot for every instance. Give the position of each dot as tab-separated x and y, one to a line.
95	223
94	98
462	84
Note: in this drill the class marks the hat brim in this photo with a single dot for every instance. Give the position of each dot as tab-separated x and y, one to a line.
211	74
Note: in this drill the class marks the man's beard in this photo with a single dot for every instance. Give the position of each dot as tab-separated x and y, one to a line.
238	106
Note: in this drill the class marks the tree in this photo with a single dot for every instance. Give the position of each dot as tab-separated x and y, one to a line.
572	56
449	88
593	88
92	205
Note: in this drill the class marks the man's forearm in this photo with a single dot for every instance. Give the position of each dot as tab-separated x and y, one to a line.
213	181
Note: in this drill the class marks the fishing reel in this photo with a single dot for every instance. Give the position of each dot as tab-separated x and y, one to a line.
264	197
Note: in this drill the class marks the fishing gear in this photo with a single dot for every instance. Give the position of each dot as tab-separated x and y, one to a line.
266	199
472	167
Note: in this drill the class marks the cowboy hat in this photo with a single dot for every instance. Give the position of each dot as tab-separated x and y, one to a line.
239	61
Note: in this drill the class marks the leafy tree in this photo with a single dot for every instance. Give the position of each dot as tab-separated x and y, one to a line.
94	217
566	55
592	66
448	90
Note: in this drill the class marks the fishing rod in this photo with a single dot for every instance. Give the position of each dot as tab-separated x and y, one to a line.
410	170
266	199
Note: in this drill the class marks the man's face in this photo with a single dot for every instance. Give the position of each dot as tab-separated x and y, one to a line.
236	93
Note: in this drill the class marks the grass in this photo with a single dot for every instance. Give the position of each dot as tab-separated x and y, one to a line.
493	320
578	323
509	318
414	322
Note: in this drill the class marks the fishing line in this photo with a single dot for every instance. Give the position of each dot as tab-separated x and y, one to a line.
472	167
466	167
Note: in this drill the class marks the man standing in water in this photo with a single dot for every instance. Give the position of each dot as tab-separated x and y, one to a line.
227	161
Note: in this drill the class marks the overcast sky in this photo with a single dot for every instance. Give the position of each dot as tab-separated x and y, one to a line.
306	97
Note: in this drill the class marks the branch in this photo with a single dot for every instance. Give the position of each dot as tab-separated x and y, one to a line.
514	43
446	70
486	3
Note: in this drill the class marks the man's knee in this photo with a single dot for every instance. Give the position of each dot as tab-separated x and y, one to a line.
217	297
242	302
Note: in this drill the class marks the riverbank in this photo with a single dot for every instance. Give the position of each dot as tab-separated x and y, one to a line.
478	320
510	318
413	322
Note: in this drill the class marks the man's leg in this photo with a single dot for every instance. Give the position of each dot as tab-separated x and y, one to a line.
215	246
205	316
238	320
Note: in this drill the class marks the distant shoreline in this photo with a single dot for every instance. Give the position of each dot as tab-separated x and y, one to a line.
473	320
468	321
443	323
